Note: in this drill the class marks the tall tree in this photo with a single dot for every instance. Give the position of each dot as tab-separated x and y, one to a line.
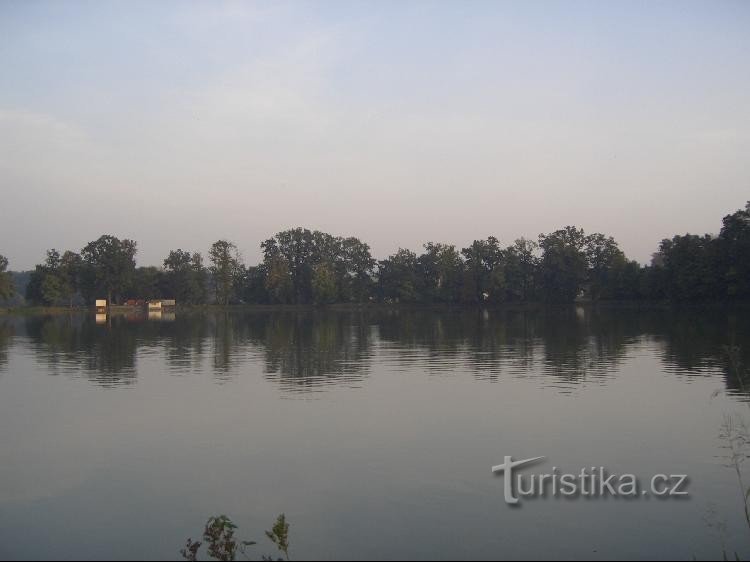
484	276
148	283
34	293
185	277
294	256
734	254
690	264
53	285
225	269
626	281
199	277
278	281
359	266
70	271
604	259
324	284
300	249
111	262
441	271
398	277
6	283
253	288
56	280
563	268
521	266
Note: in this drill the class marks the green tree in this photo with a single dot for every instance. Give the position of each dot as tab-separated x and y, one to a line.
441	271
6	282
298	253
199	279
253	288
521	266
34	286
324	284
55	280
226	270
185	277
398	277
734	254
358	270
70	271
111	264
484	276
296	249
278	281
605	259
626	281
690	267
148	283
563	267
53	289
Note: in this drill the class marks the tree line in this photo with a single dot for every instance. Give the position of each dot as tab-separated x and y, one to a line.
300	266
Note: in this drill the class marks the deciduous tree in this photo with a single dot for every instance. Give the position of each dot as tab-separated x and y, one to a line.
6	283
111	262
225	269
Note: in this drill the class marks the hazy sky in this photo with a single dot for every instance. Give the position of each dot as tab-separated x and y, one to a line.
178	123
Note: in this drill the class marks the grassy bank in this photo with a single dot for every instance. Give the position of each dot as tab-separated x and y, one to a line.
362	307
42	310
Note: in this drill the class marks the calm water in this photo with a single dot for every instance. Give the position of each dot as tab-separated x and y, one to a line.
374	432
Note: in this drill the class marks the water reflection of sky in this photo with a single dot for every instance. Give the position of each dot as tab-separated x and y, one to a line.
384	449
307	352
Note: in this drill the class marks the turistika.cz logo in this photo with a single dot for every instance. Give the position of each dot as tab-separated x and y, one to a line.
590	482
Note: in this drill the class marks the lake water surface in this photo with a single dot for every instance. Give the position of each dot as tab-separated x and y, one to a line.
374	432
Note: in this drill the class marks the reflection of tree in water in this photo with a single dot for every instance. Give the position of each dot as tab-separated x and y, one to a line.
76	344
6	333
584	342
693	341
568	343
696	340
502	341
572	342
581	342
184	341
440	331
227	332
232	339
106	353
438	337
305	351
736	364
483	341
692	338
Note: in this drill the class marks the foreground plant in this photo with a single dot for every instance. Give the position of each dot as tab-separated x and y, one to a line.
221	544
279	535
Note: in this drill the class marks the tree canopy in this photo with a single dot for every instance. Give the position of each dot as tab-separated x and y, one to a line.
6	283
225	269
110	265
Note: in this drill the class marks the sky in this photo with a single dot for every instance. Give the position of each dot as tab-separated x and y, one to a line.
180	123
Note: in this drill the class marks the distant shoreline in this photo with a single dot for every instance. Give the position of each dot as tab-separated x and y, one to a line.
120	310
